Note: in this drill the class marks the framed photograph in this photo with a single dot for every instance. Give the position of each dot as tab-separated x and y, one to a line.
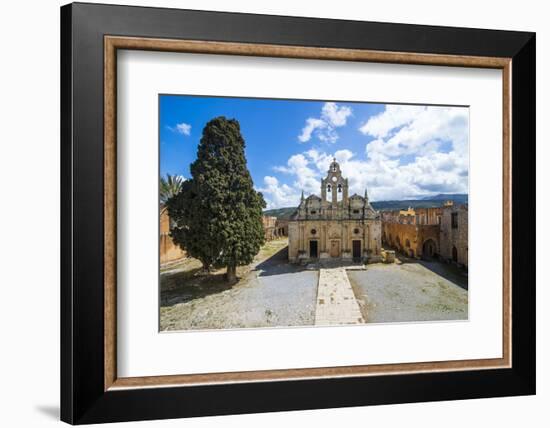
265	213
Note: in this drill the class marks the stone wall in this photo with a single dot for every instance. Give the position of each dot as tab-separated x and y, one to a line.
421	216
334	239
168	250
281	227
269	223
454	240
411	240
428	215
293	240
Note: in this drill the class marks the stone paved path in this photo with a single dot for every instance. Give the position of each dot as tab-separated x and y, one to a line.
336	304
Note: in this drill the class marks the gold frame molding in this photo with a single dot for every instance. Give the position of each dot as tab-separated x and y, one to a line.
113	43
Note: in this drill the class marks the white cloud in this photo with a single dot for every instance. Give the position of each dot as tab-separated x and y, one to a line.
278	195
181	128
334	115
416	152
311	125
409	141
411	130
298	166
393	116
343	155
324	128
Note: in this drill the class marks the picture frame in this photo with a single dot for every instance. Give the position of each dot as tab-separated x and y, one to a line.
91	391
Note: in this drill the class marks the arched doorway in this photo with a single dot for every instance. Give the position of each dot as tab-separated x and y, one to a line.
429	249
455	254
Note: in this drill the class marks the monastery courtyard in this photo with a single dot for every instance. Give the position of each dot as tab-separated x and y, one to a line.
272	292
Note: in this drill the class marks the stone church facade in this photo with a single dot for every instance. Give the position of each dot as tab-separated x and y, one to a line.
334	225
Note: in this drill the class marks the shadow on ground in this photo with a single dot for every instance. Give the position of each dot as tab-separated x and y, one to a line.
185	286
189	285
448	271
278	264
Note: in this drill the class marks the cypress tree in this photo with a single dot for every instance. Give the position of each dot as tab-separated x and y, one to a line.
217	216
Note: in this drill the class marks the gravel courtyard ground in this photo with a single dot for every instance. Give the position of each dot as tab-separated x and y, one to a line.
415	291
273	293
270	293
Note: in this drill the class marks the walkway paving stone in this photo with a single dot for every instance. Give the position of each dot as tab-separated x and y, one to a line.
336	303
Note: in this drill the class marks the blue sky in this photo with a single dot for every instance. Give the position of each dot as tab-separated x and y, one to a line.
396	151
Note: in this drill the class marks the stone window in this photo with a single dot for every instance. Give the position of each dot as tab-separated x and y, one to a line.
313	231
313	212
356	231
339	188
454	220
355	211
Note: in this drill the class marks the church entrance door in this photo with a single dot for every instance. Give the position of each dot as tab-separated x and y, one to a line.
356	250
334	248
313	249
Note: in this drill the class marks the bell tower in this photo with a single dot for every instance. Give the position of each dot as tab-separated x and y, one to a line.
334	185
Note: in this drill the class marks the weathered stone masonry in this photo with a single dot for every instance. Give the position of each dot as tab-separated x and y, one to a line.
335	225
440	232
454	234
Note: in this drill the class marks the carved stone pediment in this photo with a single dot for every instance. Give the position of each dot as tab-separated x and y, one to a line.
334	232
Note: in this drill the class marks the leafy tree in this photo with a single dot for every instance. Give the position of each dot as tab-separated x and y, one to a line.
169	187
217	216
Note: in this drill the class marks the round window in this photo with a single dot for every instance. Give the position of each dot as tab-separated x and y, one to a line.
334	179
313	231
356	231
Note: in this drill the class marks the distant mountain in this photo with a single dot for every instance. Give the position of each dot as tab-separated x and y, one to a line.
281	213
459	198
428	202
403	205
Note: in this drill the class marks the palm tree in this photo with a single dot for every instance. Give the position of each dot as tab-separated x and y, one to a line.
169	187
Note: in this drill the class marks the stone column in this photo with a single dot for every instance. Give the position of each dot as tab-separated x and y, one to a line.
348	237
345	195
